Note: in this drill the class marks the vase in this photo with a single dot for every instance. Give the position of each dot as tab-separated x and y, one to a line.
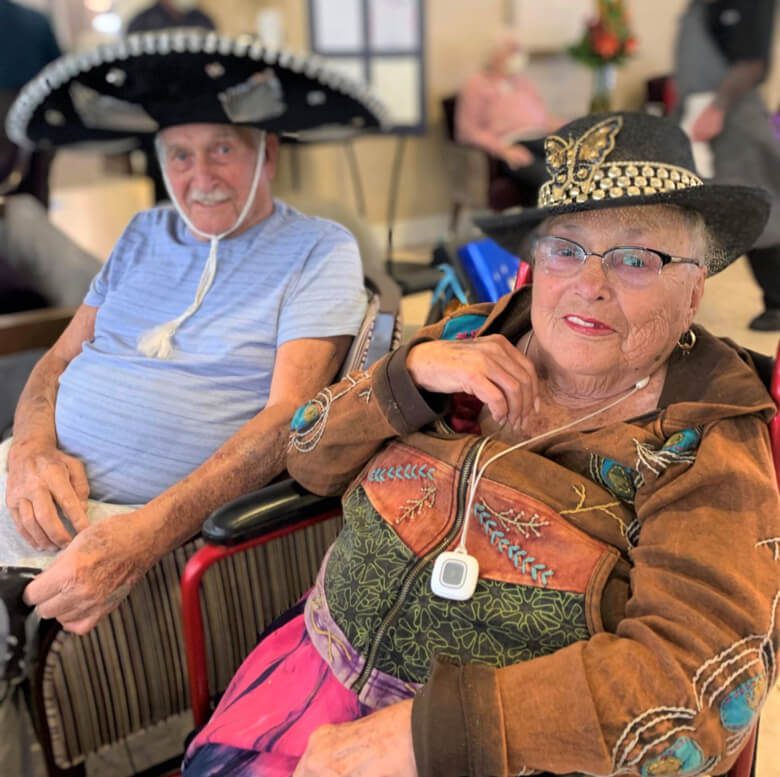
604	78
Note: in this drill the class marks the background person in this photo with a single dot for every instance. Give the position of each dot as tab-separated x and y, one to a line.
27	45
170	13
618	450
723	48
499	106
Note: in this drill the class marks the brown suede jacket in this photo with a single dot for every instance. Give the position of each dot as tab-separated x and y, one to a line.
625	620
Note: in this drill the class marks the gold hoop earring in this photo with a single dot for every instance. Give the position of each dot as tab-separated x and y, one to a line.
687	341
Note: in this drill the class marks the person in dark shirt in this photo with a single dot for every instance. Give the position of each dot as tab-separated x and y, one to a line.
723	48
27	45
170	13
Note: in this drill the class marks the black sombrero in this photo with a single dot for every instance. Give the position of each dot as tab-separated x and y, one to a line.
626	159
146	82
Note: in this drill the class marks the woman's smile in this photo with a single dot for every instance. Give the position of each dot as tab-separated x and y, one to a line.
587	326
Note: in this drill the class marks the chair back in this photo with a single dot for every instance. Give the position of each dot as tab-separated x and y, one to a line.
774	424
745	765
448	107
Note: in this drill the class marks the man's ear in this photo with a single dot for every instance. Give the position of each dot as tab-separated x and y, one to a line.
271	155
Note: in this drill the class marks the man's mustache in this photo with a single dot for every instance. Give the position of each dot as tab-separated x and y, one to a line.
214	197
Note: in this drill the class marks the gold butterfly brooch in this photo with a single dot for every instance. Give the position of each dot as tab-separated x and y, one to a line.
573	162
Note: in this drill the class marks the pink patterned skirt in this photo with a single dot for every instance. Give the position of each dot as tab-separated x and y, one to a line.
279	696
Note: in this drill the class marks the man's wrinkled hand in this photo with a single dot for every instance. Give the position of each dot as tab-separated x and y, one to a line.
41	480
379	745
489	368
92	575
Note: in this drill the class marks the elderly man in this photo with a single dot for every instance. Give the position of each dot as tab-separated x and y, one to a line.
181	434
172	388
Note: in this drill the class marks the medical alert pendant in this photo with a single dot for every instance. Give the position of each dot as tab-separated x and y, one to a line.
455	575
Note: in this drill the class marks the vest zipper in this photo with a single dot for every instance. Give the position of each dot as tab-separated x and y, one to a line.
416	570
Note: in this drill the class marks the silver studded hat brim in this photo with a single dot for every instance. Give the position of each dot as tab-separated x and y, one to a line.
629	160
149	81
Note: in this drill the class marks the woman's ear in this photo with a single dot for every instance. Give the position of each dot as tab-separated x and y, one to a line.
697	291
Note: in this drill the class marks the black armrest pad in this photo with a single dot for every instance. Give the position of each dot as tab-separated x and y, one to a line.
260	512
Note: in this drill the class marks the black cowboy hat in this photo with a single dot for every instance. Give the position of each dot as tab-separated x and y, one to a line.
146	82
625	159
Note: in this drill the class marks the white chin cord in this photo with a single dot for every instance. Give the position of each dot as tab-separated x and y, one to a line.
456	572
158	342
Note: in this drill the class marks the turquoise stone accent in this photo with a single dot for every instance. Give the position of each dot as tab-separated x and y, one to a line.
739	708
462	327
305	417
683	759
683	441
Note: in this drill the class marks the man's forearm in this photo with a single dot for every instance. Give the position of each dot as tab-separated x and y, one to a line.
34	417
248	460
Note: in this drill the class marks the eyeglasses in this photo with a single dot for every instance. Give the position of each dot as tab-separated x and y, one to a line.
629	265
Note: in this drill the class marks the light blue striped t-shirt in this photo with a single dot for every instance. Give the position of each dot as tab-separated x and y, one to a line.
141	424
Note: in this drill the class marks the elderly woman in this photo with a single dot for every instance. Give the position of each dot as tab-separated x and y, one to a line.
562	527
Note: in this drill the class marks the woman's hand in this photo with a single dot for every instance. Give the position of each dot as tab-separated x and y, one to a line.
489	368
379	745
42	479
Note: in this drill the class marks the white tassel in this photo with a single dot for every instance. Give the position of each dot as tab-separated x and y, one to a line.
156	343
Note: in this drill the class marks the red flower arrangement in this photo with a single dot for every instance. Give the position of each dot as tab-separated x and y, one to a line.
607	38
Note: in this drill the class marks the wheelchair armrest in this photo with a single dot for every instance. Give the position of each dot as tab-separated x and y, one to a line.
279	505
32	328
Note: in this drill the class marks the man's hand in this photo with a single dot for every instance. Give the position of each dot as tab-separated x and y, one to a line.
517	156
489	368
42	479
379	745
708	124
94	573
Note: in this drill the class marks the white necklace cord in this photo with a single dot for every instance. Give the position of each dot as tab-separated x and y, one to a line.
157	342
476	473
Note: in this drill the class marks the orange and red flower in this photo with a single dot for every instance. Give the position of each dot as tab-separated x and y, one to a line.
607	38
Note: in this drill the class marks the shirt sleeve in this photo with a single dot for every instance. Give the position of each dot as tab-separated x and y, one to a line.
678	686
328	298
743	29
471	124
110	274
